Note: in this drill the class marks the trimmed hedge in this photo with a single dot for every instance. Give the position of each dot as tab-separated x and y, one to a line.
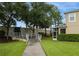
2	33
4	39
68	37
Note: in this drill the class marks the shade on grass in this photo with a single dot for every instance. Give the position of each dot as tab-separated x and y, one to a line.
15	48
59	48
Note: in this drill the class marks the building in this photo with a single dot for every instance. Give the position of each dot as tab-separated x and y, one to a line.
72	22
61	29
16	33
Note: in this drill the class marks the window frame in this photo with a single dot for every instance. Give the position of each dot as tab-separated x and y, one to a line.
72	15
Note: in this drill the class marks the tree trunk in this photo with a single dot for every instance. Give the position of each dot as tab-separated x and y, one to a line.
7	32
56	33
56	29
8	25
37	29
33	29
45	31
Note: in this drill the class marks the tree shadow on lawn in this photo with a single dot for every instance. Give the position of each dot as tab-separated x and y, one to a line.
9	41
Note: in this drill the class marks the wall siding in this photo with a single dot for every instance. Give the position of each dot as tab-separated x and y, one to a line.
72	27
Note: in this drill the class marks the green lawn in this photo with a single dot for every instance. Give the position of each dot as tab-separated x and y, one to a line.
59	48
15	48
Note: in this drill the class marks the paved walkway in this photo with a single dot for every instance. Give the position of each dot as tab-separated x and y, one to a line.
34	49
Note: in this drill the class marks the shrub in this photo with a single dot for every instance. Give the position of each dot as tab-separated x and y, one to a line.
68	37
4	39
2	32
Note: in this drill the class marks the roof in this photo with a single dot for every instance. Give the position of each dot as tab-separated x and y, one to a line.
76	10
63	26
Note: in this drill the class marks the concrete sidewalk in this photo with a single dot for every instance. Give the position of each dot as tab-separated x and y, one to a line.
34	49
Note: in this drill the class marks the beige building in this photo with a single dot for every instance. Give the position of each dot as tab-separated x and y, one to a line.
72	22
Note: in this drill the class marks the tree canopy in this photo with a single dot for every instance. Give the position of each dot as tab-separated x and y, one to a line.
34	13
7	15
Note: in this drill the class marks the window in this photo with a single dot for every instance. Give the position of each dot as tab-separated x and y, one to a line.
72	17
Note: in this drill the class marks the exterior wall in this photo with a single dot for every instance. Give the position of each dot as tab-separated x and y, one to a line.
13	34
72	27
21	35
59	31
43	30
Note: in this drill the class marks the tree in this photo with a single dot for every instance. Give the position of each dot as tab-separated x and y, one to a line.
7	15
40	14
56	19
45	24
22	12
37	14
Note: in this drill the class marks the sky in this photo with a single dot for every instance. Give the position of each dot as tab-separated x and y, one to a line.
62	6
66	6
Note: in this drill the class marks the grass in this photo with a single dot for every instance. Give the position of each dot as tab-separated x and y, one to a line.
15	48
59	48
